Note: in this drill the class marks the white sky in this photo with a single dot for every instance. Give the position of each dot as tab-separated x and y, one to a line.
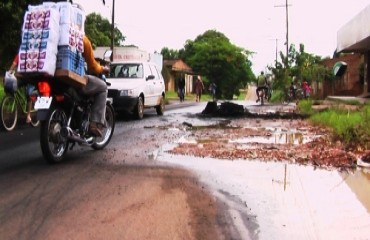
252	24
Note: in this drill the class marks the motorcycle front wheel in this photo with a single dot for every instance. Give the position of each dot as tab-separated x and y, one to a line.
101	142
54	146
9	113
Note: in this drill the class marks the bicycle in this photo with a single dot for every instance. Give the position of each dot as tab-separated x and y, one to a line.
264	95
9	109
288	97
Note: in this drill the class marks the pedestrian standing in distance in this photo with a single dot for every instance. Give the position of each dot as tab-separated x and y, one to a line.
305	88
212	89
181	89
199	87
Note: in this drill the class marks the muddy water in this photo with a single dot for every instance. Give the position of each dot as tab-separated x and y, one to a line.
359	182
282	201
275	200
279	136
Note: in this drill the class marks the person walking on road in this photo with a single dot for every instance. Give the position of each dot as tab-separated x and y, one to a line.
199	87
181	89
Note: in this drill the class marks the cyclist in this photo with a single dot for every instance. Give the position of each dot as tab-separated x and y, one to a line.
29	88
293	89
261	85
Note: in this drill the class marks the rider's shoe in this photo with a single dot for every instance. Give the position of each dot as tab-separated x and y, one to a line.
257	100
95	129
28	119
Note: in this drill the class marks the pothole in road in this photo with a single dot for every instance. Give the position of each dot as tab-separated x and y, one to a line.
256	142
294	141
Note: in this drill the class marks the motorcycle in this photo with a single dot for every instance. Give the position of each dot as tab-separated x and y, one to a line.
64	116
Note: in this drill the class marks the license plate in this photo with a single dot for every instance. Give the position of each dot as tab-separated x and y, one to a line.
43	103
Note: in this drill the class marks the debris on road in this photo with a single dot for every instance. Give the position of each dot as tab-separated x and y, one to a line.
269	140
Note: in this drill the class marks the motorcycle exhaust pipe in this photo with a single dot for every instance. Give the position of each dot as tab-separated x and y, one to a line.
68	133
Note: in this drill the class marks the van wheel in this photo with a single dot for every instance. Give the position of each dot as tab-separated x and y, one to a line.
139	110
160	108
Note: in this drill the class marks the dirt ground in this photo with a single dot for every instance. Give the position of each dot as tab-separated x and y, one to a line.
305	144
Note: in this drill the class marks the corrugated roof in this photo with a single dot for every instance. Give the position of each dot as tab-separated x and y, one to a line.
177	65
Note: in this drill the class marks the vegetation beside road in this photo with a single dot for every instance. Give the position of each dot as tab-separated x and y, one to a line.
351	127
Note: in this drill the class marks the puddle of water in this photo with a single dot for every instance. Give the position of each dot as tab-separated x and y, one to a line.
359	182
289	201
278	138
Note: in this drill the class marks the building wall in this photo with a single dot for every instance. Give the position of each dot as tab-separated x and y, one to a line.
350	83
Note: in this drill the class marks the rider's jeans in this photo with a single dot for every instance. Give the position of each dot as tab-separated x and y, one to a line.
97	88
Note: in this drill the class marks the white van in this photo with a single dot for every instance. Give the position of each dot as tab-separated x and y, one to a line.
136	85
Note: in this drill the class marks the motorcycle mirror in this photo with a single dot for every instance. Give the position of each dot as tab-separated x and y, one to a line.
107	54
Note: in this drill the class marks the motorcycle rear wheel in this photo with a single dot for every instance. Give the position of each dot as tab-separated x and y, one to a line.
101	142
54	146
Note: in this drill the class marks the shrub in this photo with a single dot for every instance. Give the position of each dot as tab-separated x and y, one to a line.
352	127
305	106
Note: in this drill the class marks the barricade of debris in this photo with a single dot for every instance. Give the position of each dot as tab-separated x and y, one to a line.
230	109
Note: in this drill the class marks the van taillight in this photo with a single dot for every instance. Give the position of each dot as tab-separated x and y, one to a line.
44	89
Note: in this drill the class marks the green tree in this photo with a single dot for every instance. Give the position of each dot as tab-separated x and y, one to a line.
301	65
214	57
98	29
169	53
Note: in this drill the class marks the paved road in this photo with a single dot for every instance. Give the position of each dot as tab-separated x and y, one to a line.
116	193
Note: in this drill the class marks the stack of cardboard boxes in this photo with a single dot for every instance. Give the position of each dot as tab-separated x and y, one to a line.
52	39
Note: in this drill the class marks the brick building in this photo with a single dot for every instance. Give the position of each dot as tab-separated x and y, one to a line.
350	83
177	69
354	37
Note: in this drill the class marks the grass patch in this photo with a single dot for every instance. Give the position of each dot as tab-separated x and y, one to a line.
242	94
2	93
172	95
277	96
305	106
352	127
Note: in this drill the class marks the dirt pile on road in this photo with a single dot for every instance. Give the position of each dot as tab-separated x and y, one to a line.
294	141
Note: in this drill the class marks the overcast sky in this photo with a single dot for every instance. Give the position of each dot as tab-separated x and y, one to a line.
252	24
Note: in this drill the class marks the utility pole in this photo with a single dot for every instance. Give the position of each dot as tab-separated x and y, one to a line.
287	40
287	31
276	49
112	33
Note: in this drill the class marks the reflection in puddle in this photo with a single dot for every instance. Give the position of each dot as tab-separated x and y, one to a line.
289	201
278	138
359	182
274	136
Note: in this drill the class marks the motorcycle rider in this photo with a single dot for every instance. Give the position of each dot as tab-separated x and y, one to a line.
261	85
96	87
